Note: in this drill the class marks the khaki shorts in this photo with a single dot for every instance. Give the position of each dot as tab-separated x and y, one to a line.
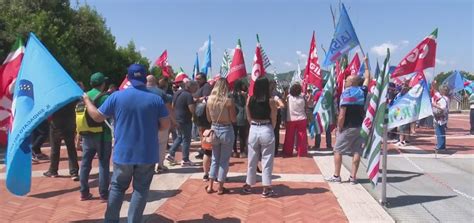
349	141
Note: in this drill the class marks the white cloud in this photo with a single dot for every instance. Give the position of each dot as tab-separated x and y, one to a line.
204	45
441	62
288	64
301	54
381	50
142	49
406	42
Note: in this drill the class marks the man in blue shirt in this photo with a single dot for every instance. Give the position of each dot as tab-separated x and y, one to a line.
138	115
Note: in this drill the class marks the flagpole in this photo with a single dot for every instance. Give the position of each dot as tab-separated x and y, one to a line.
383	200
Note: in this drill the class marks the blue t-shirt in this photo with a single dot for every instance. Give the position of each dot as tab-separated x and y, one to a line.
136	112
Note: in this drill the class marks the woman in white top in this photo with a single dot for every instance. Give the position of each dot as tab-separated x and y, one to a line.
296	123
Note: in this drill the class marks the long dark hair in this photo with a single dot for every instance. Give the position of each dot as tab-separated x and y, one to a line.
261	90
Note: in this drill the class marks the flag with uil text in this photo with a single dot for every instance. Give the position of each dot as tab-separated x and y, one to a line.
325	110
374	147
42	87
207	59
344	39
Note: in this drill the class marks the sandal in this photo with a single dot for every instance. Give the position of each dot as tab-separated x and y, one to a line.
222	191
208	190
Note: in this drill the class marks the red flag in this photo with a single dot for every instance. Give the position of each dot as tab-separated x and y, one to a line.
162	62
353	68
257	69
341	76
125	84
421	57
417	78
8	73
312	72
237	67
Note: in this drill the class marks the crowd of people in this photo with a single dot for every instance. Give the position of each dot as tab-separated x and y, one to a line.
135	127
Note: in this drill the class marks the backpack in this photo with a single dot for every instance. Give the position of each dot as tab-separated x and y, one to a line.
84	123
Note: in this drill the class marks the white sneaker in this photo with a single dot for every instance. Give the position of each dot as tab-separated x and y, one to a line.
334	179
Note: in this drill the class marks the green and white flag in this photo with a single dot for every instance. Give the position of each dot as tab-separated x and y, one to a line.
225	66
325	110
376	142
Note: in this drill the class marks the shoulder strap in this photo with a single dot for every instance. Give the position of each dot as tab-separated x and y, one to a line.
96	99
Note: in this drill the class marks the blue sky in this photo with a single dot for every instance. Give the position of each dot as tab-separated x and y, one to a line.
285	27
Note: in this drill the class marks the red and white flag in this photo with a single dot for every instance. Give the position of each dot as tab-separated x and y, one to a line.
257	69
162	62
125	84
421	57
237	67
353	68
8	73
312	72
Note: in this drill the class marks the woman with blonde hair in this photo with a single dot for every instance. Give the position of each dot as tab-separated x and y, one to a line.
221	113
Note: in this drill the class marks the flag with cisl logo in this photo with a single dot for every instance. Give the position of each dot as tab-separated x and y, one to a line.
257	69
312	73
421	57
42	87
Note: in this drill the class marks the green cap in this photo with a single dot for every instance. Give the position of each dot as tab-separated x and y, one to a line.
98	78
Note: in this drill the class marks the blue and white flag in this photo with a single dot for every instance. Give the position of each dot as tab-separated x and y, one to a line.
207	59
42	87
196	66
455	82
344	39
412	106
362	66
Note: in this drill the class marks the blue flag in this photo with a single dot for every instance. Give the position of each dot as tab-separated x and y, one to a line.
362	66
196	67
454	82
207	58
42	87
410	107
344	39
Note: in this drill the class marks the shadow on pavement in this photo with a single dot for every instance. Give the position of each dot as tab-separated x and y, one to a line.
162	219
406	200
155	195
281	190
394	179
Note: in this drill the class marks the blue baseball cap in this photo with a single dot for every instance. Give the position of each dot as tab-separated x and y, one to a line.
137	75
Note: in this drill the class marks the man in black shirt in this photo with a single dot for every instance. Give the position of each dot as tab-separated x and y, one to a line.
200	97
183	105
349	122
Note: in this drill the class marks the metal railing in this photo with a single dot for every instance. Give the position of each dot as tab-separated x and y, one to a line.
459	106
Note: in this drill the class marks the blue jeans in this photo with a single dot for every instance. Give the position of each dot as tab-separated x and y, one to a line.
440	131
184	139
261	143
121	178
90	146
221	151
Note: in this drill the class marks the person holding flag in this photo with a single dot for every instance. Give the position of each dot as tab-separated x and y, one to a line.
349	122
440	113
136	136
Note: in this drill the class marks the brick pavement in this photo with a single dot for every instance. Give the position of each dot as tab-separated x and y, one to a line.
57	199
